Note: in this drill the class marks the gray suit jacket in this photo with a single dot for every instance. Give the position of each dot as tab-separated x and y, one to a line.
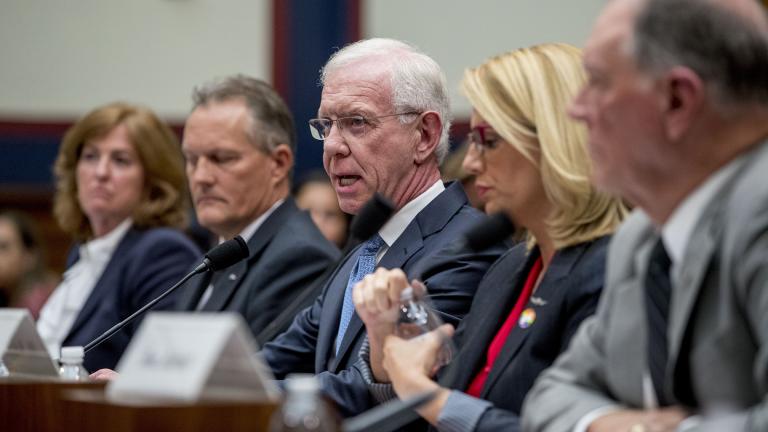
718	334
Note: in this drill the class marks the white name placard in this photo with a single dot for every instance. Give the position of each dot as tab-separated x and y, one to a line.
190	357
22	350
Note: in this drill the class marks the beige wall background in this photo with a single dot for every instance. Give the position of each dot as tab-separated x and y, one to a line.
61	58
460	34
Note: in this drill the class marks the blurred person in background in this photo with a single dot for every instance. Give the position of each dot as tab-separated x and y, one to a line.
531	163
315	194
25	282
121	194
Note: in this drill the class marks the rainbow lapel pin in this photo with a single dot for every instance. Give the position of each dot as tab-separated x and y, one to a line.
527	318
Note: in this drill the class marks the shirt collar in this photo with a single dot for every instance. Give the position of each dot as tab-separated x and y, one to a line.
251	229
397	223
105	245
677	231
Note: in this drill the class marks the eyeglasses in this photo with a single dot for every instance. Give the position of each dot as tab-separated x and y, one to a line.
482	138
356	126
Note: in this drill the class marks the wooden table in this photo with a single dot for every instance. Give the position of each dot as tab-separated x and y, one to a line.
35	404
89	410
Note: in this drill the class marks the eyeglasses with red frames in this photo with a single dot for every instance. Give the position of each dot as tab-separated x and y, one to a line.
356	126
483	138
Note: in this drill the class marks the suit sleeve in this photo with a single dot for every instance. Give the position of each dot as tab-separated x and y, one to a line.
749	267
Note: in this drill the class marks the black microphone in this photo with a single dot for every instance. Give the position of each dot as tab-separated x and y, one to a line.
221	256
224	255
486	233
371	217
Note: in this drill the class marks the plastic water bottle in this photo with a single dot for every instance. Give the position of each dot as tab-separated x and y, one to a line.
72	364
3	370
418	317
304	409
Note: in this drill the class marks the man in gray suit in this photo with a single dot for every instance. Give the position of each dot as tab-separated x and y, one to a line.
677	112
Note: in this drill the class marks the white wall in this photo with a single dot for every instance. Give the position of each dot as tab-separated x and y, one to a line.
460	34
62	58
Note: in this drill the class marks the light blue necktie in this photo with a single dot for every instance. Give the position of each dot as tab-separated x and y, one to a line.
366	263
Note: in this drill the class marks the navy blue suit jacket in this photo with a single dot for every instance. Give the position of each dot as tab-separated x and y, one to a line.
287	253
451	278
144	265
568	293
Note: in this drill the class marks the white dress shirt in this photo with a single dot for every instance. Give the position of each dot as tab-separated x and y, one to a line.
62	308
395	226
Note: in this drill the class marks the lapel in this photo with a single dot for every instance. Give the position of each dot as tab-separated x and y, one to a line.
228	282
554	281
429	221
396	256
109	282
628	362
331	311
503	289
687	280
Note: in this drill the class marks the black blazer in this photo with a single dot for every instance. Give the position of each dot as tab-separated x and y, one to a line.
144	265
307	346
287	253
568	293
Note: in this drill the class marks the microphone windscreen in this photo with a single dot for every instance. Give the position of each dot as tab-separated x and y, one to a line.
488	232
227	253
371	217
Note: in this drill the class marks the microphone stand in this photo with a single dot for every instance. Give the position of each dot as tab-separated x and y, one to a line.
106	335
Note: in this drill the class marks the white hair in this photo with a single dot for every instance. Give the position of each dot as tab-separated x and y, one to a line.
417	82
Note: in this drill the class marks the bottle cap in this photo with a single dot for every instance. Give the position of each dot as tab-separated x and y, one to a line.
72	353
302	383
406	294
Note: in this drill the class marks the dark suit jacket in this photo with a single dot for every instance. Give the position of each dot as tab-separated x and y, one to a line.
144	265
567	294
451	278
287	253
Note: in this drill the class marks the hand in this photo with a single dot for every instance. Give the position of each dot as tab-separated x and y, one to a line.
659	420
411	363
377	298
104	375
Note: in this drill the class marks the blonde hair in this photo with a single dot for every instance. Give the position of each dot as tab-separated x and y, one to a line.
523	95
164	199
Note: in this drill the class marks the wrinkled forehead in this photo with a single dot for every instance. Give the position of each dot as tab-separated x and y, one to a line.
361	85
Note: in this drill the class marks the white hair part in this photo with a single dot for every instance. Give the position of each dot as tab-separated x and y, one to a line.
417	82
